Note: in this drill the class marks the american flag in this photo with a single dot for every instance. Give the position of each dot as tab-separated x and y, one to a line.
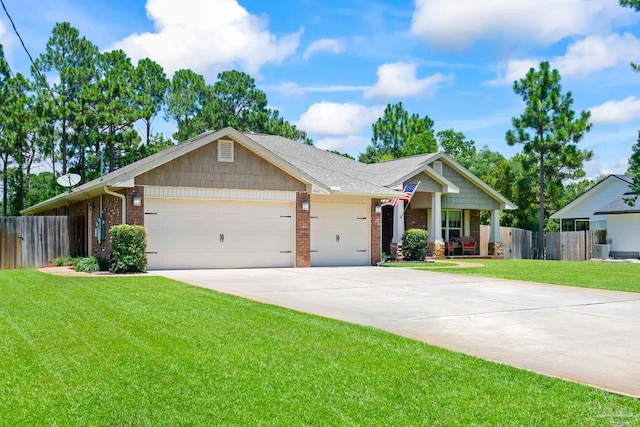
408	193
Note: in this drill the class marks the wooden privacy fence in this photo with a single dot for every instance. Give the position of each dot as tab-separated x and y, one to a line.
32	241
517	243
572	245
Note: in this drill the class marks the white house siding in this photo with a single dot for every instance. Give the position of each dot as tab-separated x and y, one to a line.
624	233
594	199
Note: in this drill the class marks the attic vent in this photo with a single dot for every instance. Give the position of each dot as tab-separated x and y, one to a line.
225	150
437	166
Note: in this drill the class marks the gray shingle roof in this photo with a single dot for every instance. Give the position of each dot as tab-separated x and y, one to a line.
329	168
320	166
620	206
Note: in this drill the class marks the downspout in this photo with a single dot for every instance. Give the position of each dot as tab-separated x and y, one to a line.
124	202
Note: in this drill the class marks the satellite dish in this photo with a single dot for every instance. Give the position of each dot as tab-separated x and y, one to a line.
68	180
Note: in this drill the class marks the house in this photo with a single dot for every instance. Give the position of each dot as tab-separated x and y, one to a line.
603	207
623	226
225	199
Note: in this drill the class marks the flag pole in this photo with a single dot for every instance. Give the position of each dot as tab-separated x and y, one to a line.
414	190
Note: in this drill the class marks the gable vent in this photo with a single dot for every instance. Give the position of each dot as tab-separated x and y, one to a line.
225	150
437	166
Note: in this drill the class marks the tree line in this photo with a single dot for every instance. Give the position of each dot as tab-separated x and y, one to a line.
89	112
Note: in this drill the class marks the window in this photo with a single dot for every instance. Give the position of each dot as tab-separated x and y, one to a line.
225	151
451	224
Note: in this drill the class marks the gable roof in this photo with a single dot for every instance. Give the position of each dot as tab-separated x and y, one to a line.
324	172
620	206
623	178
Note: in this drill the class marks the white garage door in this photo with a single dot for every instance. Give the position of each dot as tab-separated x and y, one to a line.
339	234
186	234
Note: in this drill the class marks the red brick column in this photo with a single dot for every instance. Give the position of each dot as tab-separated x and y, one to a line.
376	233
135	214
303	232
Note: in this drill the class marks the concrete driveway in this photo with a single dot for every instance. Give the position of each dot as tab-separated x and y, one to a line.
585	335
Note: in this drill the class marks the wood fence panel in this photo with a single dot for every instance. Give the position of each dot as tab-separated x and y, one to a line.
29	242
553	246
485	231
517	242
567	246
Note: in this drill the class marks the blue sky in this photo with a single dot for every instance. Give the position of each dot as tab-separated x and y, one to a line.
331	66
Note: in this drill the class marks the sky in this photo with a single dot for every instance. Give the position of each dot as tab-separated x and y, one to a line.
331	66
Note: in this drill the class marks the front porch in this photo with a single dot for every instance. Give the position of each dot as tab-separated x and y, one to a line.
446	227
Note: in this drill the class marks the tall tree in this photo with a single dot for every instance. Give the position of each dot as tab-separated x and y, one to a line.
397	134
152	84
634	160
66	54
457	145
234	100
185	97
634	170
549	131
118	106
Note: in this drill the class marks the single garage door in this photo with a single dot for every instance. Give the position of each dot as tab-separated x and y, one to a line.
186	234
339	234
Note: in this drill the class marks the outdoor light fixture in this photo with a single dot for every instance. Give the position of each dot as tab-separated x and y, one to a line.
378	208
137	199
90	206
305	204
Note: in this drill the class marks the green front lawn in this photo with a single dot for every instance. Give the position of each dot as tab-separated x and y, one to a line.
588	274
149	351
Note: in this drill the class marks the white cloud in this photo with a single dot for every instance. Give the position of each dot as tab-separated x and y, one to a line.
323	45
398	80
294	89
207	36
330	118
446	23
616	111
591	54
349	143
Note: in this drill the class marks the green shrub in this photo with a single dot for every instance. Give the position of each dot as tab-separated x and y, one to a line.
128	246
89	264
63	261
104	263
415	243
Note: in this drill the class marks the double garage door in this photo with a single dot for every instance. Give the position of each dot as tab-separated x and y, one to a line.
190	234
187	233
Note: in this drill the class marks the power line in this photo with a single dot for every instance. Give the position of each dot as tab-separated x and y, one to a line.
35	67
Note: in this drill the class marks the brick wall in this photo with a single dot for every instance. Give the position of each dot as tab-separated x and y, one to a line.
303	232
415	218
135	214
376	233
474	223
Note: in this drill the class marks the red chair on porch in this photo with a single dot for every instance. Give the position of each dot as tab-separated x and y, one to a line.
451	249
469	245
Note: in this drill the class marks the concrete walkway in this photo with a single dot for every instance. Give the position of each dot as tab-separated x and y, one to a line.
584	335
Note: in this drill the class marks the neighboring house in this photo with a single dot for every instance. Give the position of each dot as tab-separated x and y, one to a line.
623	226
225	199
602	207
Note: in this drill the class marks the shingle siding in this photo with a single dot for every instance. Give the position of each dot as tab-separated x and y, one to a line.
201	169
470	196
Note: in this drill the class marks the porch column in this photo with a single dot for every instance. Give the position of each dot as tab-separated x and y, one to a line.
496	248
398	231
398	222
436	245
436	218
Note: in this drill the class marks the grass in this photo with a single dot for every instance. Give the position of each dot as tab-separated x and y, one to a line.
588	274
150	351
421	265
